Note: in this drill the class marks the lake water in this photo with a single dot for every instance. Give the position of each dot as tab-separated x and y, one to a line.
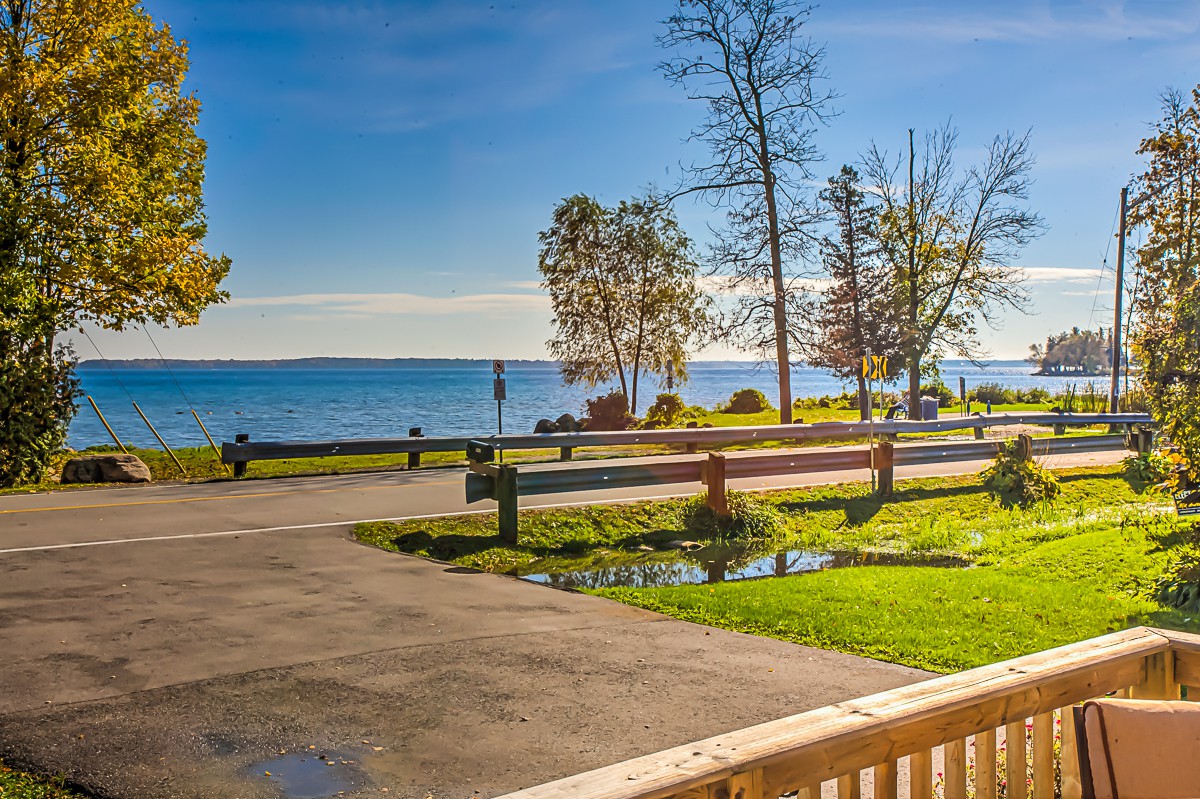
312	404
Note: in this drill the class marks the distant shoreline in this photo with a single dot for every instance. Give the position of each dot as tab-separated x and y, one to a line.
391	363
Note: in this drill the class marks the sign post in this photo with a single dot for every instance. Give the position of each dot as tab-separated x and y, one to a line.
874	367
499	393
866	370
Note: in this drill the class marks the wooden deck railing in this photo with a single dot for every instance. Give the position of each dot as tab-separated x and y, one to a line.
874	739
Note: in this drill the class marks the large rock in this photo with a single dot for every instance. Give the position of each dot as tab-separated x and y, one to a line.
106	469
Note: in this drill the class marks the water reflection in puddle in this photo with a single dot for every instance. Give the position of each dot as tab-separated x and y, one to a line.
714	565
309	776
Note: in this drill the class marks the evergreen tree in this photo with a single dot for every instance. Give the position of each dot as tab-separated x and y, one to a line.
857	312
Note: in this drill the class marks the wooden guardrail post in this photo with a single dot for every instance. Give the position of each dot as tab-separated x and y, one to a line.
506	498
690	447
564	453
1059	429
979	434
885	464
1024	446
239	468
714	478
414	458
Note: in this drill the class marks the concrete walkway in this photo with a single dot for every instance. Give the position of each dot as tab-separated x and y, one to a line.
167	668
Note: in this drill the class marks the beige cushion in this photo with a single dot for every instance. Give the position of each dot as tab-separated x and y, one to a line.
1151	748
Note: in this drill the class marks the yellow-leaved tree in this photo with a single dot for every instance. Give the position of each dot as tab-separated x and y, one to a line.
101	214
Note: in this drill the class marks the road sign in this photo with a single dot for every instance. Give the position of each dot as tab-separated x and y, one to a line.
497	367
874	367
499	392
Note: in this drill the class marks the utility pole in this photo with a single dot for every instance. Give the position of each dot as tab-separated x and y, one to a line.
1115	384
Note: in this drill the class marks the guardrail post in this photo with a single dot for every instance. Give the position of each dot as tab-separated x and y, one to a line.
885	465
979	434
1059	429
690	447
714	478
239	468
414	458
564	453
1143	439
506	498
1024	446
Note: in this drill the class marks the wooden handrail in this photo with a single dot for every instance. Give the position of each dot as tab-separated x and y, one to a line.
802	751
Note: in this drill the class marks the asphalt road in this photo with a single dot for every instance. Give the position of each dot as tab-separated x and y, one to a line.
107	515
165	641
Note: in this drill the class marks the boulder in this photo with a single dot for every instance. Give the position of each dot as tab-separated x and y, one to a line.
115	468
568	424
545	426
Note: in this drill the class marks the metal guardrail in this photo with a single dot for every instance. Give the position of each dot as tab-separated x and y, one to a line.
245	451
506	482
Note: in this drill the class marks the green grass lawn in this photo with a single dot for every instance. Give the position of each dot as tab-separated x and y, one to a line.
1040	577
19	785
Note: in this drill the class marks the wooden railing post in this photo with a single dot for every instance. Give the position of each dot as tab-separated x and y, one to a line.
1014	761
714	478
564	453
979	435
1160	678
1024	446
985	764
955	769
885	464
920	775
506	498
414	458
691	447
1043	754
885	780
239	468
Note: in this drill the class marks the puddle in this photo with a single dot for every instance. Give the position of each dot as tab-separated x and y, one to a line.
308	776
715	565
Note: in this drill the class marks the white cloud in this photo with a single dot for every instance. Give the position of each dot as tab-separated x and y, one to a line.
1056	274
394	304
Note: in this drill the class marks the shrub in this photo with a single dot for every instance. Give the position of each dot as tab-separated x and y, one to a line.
1149	467
37	401
945	397
749	517
1179	586
748	400
992	392
847	400
609	412
1018	481
665	411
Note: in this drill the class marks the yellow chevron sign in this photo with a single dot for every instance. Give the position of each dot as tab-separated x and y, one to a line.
874	367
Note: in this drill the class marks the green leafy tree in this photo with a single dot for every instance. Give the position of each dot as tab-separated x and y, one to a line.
761	79
623	286
1078	351
950	238
1166	333
857	311
101	218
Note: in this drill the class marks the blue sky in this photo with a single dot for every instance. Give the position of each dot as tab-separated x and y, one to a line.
379	171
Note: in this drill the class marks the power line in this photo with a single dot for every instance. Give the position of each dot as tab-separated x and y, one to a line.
106	363
171	372
1103	266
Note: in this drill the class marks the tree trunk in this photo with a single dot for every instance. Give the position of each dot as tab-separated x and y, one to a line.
864	399
914	297
779	308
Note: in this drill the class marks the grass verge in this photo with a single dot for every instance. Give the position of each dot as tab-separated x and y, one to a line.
19	785
1040	577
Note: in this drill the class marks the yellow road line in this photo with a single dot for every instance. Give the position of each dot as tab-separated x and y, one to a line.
183	500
